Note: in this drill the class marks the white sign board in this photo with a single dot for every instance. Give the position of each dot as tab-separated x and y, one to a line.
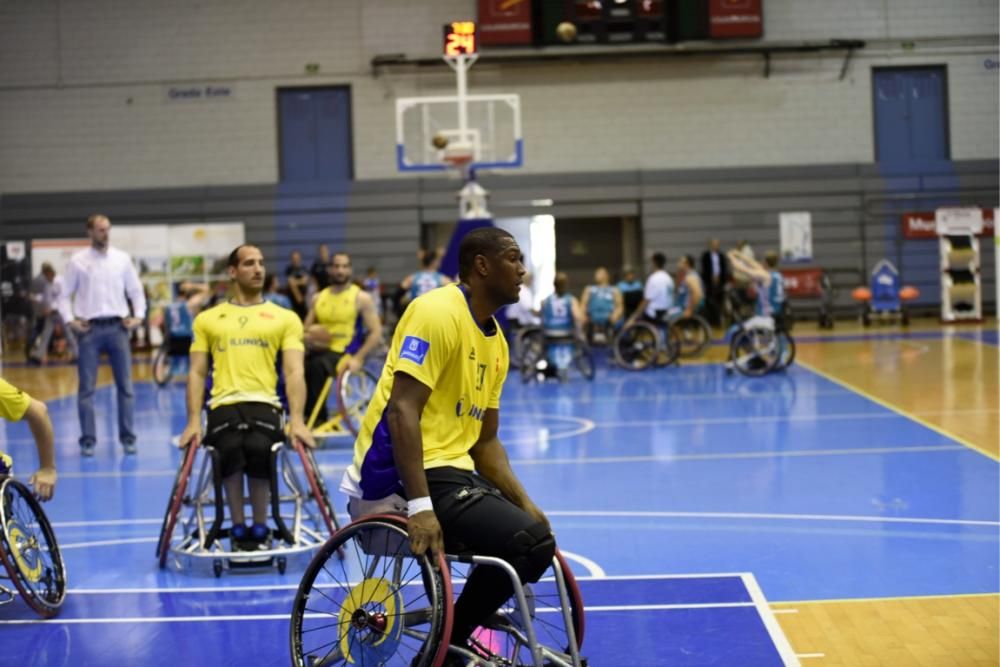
15	250
796	236
959	221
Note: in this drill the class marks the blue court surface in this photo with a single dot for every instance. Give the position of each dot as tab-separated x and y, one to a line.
681	496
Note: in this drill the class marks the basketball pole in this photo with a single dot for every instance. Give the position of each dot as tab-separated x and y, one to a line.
472	197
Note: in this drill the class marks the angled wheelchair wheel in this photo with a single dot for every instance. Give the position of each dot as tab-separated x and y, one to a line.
670	348
583	359
693	334
162	371
29	550
531	351
786	350
517	344
317	487
754	352
174	505
503	639
354	392
637	346
379	605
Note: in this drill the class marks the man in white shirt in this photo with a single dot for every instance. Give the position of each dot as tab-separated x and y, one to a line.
97	281
48	293
658	294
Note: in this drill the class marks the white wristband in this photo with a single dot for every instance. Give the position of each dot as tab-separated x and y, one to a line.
418	505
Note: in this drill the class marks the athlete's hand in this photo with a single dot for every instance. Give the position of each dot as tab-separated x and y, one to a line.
190	436
300	432
131	323
354	364
44	483
80	326
425	533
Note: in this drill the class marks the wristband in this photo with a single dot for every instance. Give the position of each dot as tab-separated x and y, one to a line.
418	505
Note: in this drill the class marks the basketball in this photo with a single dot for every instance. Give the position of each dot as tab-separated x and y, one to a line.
439	141
317	338
566	31
909	293
861	294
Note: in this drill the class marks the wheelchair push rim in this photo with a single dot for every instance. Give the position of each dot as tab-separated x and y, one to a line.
636	347
378	604
694	334
29	550
755	352
354	392
174	505
162	370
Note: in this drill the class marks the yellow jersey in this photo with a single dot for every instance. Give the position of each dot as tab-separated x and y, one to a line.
13	402
438	343
244	342
338	314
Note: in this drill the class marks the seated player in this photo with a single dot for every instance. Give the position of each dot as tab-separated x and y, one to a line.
768	282
690	290
424	280
180	314
16	405
561	319
602	304
244	337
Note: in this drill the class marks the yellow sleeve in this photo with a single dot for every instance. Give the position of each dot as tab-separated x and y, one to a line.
427	340
199	341
502	375
13	402
292	339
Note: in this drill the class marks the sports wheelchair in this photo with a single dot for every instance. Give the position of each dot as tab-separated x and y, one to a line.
381	605
645	343
192	532
346	397
29	551
759	346
545	354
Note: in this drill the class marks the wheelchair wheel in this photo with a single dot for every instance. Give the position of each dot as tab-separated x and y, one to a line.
518	344
583	359
379	605
174	505
670	349
786	347
502	638
532	350
636	347
162	371
694	334
29	550
754	352
354	392
317	486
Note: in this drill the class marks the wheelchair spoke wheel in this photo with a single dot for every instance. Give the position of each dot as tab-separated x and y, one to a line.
583	359
378	605
503	637
637	346
786	347
354	392
29	550
754	352
694	334
531	351
162	372
174	505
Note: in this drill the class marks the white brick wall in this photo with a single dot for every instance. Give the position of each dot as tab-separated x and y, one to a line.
83	103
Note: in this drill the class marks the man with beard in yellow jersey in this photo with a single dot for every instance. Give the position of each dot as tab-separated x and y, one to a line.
243	337
16	405
429	440
348	318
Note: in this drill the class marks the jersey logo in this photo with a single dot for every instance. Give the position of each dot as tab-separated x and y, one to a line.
414	349
267	316
472	355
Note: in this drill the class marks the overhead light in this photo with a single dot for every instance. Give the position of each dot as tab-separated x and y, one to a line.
542	202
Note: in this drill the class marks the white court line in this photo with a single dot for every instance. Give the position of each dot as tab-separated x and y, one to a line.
807	656
705	421
784	611
770	622
595	570
104	522
780	517
107	543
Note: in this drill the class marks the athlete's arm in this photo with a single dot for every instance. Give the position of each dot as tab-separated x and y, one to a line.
585	301
311	315
492	463
373	325
577	311
295	388
44	480
749	267
406	404
619	308
694	295
195	398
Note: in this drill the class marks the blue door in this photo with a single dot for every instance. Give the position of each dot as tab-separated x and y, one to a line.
314	135
911	114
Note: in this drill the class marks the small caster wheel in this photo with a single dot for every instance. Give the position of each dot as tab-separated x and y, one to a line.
282	564
217	567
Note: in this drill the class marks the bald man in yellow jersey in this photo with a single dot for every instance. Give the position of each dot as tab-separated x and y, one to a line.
429	441
348	314
243	337
16	405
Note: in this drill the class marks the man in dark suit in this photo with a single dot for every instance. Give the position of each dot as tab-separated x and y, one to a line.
715	275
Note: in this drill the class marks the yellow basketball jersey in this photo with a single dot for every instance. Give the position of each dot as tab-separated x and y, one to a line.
338	314
439	343
244	342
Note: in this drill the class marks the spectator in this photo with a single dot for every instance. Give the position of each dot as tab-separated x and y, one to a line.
272	294
298	284
50	288
320	268
714	275
630	288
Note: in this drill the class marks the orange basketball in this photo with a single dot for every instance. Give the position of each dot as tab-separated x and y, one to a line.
861	294
909	293
317	338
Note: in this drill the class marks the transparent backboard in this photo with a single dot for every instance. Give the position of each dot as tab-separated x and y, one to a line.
429	135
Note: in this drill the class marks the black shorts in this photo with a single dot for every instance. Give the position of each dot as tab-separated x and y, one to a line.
243	435
179	346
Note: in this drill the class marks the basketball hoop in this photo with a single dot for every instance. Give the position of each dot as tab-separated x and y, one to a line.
458	155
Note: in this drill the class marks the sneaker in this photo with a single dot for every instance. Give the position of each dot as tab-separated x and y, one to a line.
129	447
261	536
238	537
87	449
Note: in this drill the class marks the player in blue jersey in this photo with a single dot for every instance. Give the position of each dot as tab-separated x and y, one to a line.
602	305
424	280
562	319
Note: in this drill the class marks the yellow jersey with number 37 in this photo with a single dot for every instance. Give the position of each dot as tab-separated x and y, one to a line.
439	343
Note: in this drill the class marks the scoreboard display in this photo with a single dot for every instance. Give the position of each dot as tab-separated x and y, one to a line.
460	38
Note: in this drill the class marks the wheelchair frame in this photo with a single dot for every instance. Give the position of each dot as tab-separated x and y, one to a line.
369	621
534	347
24	541
352	403
296	534
759	338
643	344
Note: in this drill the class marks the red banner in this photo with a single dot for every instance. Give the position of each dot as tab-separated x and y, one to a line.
803	282
505	22
922	224
728	19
